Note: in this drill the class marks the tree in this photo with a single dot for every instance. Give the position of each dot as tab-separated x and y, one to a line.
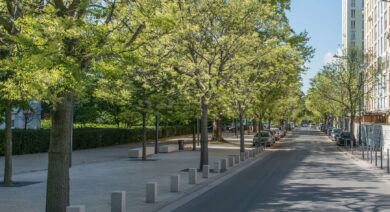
62	40
338	82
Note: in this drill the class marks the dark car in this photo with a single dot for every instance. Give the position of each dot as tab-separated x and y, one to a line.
335	133
344	139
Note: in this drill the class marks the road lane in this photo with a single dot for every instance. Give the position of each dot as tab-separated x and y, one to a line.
303	173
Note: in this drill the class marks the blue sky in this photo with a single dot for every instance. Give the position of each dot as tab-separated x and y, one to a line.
322	20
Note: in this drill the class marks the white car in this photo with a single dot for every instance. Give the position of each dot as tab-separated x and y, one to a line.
263	138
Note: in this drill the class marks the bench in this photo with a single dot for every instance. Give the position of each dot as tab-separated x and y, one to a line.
137	152
169	148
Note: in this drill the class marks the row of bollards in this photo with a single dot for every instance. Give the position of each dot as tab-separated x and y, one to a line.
370	153
118	198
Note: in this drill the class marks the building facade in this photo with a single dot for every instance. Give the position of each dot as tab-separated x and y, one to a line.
377	55
26	119
352	24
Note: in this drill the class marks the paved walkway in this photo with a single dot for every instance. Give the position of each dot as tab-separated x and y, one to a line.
97	172
307	172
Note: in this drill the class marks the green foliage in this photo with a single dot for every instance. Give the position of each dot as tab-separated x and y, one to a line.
336	89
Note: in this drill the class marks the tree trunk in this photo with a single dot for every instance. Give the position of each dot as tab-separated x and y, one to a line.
217	130
57	194
156	146
143	135
198	131
194	134
8	147
254	122
352	126
235	127
204	152
242	139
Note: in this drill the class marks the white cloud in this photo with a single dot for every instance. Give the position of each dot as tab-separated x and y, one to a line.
329	56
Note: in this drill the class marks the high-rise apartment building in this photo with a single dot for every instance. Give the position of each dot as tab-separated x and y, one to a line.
352	23
377	55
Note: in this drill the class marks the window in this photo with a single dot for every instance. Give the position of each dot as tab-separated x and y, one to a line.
353	24
353	35
353	13
353	3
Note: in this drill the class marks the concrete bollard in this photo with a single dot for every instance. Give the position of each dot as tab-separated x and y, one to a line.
231	161
175	183
118	201
192	175
206	171
236	159
223	165
217	167
75	208
151	192
242	156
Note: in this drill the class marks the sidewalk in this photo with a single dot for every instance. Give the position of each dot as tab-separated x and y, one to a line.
368	160
97	172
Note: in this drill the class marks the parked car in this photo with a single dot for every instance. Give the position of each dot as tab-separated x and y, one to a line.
335	133
344	138
276	133
283	131
263	138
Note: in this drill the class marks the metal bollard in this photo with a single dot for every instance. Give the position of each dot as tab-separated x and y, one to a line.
388	162
376	156
370	154
381	158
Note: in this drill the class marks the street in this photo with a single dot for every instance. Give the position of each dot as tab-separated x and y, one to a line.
305	172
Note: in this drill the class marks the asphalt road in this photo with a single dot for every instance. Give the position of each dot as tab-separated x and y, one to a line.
306	172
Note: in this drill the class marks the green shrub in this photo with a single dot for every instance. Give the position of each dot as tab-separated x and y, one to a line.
35	141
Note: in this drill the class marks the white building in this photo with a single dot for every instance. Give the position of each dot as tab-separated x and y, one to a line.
30	119
352	23
376	48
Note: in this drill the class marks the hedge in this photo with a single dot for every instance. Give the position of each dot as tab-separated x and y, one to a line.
35	141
